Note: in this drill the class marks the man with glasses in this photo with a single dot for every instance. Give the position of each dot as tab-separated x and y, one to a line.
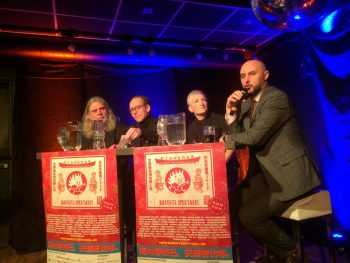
144	132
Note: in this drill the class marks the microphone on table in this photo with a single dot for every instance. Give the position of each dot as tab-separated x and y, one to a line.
236	104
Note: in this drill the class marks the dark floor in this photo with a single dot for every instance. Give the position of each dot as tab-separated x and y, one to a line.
315	249
314	243
316	254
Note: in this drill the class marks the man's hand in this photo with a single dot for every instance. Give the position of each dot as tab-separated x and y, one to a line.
233	99
133	133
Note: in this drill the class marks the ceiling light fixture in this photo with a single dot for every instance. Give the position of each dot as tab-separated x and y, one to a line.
199	55
225	56
130	51
147	10
151	52
72	47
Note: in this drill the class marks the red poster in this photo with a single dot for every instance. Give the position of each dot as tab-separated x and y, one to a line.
182	208
81	206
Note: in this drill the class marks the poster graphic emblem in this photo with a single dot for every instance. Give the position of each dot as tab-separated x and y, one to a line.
108	205
177	180
217	206
76	183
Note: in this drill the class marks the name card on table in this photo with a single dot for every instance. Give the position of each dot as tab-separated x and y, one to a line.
81	206
182	211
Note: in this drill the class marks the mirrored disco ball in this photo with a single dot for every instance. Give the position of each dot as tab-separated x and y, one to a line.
289	15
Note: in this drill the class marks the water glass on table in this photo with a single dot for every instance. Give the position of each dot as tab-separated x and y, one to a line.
99	136
176	129
69	136
63	138
75	138
209	134
161	129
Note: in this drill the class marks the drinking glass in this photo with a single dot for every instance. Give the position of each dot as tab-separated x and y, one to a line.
75	130
79	136
99	136
161	129
209	134
176	129
63	138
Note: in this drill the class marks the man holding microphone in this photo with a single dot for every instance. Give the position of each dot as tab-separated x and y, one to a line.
280	170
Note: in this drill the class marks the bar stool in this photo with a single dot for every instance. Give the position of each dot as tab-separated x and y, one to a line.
312	206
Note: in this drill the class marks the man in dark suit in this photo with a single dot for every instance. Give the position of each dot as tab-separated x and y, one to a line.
280	170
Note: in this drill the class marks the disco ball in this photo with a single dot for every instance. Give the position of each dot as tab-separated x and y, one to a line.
289	15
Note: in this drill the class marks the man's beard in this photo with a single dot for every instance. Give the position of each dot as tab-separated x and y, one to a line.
255	92
103	119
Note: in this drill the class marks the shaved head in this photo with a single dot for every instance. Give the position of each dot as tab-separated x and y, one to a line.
254	76
259	65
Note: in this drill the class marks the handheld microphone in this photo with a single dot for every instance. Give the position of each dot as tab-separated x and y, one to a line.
235	105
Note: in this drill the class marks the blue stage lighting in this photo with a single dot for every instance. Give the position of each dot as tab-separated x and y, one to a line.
337	236
327	23
340	243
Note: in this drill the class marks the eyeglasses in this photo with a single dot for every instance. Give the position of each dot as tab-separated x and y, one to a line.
136	108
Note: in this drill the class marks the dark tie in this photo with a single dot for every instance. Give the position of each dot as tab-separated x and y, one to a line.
243	154
251	111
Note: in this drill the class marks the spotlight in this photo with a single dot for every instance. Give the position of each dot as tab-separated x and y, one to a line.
151	52
337	236
327	23
334	24
340	242
130	51
226	56
199	55
247	54
72	47
147	11
297	17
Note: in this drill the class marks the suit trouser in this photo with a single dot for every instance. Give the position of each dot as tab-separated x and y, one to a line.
256	204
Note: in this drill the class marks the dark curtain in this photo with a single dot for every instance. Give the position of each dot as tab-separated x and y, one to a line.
27	227
314	70
48	94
